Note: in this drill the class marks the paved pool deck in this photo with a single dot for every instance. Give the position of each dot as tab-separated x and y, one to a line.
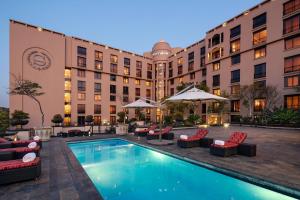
277	161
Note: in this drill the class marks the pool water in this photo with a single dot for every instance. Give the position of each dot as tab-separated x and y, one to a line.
122	170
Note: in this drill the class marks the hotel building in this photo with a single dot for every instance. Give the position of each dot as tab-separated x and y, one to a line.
79	77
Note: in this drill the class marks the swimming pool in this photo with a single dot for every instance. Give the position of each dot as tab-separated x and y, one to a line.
123	170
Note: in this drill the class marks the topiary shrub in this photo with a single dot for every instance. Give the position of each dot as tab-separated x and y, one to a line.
57	119
19	118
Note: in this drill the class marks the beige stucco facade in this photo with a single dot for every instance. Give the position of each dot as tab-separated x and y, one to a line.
43	56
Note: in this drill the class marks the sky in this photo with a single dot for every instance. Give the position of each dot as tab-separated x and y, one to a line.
132	25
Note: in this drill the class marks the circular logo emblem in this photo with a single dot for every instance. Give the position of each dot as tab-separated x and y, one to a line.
38	58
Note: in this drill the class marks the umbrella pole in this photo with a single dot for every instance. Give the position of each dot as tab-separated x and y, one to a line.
160	122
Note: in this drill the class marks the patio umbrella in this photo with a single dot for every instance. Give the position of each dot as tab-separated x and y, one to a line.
194	95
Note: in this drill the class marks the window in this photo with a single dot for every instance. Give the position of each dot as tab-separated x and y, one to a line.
81	61
216	39
126	71
98	65
291	24
114	59
236	59
235	89
180	69
139	64
260	20
259	37
217	92
260	52
291	6
172	91
292	81
139	73
235	106
97	109
137	81
81	96
191	56
235	46
202	61
125	80
81	120
112	89
97	75
81	108
67	85
192	76
126	62
149	74
149	67
260	70
259	105
125	99
97	97
235	76
204	72
170	72
113	119
98	55
203	108
216	66
80	73
236	31
97	87
113	77
216	53
216	80
81	85
112	109
67	97
112	97
172	81
259	85
125	90
180	79
293	42
202	51
97	120
180	61
191	66
292	101
137	92
81	51
148	83
113	68
148	93
67	109
292	64
67	73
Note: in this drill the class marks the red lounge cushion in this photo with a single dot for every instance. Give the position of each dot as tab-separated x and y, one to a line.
198	136
2	140
21	149
15	164
237	137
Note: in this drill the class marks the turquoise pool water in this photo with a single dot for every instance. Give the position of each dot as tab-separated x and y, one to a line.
121	170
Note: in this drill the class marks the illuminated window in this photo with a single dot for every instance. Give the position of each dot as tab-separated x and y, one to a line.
216	66
113	119
67	121
137	81
126	71
292	81
97	97
98	65
81	96
292	43
235	46
259	105
292	101
67	97
291	6
81	61
216	53
217	92
191	66
97	120
148	93
114	59
260	52
192	76
148	83
235	106
292	64
67	73
180	61
68	85
260	37
125	80
112	109
67	109
98	55
235	89
291	24
180	79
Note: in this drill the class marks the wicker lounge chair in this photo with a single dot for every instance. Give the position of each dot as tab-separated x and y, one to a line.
165	133
143	133
192	141
18	152
14	144
12	171
230	146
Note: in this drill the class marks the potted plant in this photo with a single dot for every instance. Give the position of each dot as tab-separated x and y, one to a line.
122	127
57	120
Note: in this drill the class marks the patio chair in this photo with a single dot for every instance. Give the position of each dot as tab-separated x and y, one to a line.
144	133
19	143
192	141
165	133
230	146
16	170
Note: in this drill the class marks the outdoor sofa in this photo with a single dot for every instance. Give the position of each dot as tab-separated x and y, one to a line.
165	134
143	133
230	146
192	141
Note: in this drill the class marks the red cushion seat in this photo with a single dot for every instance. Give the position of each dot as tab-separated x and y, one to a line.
25	141
201	133
3	140
21	149
235	139
163	131
15	164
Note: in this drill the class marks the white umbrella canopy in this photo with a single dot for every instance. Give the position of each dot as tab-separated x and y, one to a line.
195	94
139	104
